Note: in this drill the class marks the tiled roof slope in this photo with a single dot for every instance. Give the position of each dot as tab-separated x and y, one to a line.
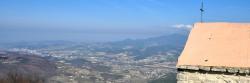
217	45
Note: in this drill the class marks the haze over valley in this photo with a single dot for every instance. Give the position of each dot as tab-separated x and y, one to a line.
102	41
126	61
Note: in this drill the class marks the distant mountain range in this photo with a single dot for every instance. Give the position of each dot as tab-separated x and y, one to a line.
140	48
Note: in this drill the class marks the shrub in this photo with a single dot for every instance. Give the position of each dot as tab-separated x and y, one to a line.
13	77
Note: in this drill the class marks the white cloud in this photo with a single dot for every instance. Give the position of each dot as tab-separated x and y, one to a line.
183	26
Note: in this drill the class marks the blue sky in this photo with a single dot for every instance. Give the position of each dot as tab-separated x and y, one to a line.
26	20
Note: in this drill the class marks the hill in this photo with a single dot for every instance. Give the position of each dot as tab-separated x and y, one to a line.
25	64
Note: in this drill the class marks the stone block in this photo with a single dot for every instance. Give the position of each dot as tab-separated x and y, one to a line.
233	70
210	81
244	70
205	68
220	69
193	77
197	81
193	67
182	67
182	81
181	77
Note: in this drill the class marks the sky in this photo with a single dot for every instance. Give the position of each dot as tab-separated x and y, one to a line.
109	20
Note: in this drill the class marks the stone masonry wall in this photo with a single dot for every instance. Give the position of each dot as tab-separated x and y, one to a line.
203	77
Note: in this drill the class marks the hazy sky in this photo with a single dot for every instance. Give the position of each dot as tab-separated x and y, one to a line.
104	20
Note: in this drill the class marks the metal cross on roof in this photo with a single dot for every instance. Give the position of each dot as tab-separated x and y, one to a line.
202	11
